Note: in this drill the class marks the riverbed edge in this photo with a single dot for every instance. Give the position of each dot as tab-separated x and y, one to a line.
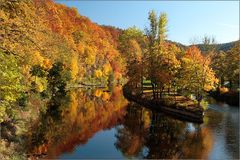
173	111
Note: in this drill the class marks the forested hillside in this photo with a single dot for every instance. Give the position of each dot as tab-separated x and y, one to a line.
219	47
41	40
44	48
55	32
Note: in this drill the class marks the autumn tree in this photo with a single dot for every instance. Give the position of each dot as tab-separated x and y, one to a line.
161	55
10	86
132	45
232	66
152	35
226	66
58	77
195	75
219	65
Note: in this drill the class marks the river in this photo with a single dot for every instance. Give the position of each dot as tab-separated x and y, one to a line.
93	124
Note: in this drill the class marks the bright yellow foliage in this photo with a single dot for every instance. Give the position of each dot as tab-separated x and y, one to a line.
37	58
98	93
98	73
107	68
41	84
74	68
47	64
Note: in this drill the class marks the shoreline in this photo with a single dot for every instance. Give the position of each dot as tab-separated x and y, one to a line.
231	98
193	113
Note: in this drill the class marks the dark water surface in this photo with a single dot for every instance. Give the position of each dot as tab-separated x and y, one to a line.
99	124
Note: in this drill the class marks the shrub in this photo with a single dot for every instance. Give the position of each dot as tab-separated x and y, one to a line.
223	90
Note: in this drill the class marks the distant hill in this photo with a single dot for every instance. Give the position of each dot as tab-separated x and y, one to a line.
219	47
116	32
226	46
180	45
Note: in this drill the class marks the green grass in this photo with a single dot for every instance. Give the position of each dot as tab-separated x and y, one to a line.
146	81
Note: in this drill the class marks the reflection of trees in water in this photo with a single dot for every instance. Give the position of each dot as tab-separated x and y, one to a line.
213	119
226	123
73	118
52	116
198	144
163	137
232	135
131	136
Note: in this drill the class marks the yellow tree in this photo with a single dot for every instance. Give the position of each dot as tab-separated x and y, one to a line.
232	66
132	47
161	55
10	85
195	76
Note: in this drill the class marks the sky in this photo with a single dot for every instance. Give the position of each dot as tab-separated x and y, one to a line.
187	20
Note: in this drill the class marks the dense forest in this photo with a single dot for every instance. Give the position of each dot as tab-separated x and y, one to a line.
47	48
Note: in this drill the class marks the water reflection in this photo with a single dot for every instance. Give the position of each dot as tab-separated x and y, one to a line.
224	122
101	124
232	135
72	118
131	135
146	134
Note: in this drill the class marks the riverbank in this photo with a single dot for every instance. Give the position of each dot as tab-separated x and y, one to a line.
85	85
177	106
231	97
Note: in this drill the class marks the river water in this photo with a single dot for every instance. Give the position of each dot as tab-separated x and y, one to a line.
93	124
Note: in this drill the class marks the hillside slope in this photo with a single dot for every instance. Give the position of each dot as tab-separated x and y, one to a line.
53	32
220	47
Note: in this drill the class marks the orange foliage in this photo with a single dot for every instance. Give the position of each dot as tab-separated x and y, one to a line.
96	45
195	54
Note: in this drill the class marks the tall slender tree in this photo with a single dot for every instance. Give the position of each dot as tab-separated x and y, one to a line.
162	62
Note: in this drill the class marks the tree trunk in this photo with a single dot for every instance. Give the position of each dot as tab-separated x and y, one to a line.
169	90
222	82
153	90
230	84
156	87
199	98
162	88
